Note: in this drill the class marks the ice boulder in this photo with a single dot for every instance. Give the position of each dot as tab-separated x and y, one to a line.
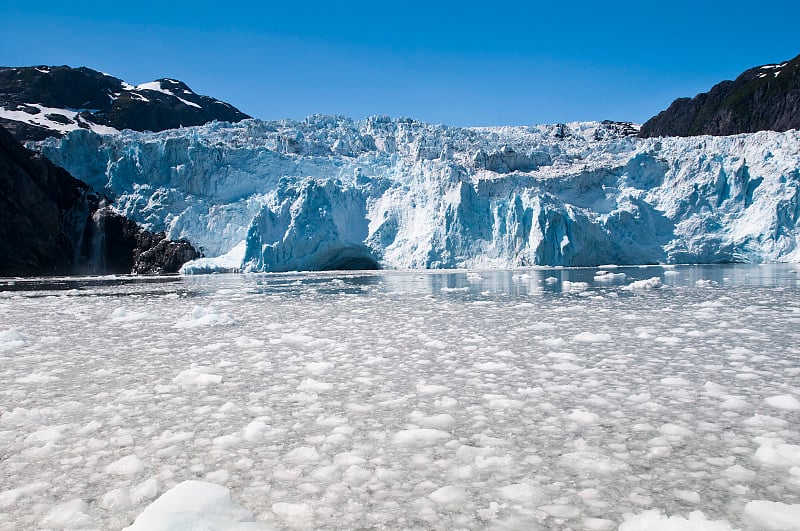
196	505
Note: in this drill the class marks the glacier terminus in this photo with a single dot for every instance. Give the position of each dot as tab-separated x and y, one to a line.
334	193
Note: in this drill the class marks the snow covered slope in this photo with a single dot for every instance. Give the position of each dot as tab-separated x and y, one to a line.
45	101
329	192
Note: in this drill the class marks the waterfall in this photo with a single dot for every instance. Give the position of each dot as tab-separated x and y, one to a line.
76	223
97	250
88	221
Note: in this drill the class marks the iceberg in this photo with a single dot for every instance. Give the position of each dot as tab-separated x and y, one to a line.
329	192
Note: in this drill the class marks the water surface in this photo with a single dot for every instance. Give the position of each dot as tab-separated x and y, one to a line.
546	398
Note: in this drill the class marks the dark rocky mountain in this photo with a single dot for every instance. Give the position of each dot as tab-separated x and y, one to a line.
765	98
51	224
38	102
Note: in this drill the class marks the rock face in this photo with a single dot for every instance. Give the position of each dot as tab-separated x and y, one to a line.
111	243
333	193
39	102
52	224
765	98
41	206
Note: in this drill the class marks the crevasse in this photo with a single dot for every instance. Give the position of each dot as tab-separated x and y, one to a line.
333	193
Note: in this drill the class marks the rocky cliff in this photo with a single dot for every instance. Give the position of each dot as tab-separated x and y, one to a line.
765	98
53	224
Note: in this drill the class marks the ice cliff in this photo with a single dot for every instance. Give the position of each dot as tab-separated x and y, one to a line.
329	192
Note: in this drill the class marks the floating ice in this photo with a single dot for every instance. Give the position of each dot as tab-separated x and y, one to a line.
68	515
11	339
591	337
785	402
332	406
655	521
124	315
520	493
206	317
774	516
192	505
650	283
774	451
448	494
126	466
198	377
420	436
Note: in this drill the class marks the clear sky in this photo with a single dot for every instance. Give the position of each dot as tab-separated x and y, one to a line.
460	63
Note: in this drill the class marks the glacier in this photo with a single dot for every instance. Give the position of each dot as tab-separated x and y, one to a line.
329	192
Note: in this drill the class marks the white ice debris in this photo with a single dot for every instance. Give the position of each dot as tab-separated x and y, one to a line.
126	466
655	521
206	316
419	436
344	400
773	516
198	377
124	315
193	505
11	339
592	337
786	402
649	283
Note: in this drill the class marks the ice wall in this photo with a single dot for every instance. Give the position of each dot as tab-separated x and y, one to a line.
329	192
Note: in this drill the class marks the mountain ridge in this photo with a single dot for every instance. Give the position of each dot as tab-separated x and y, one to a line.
762	98
38	102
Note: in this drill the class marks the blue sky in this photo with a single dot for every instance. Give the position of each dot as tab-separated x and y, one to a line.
460	63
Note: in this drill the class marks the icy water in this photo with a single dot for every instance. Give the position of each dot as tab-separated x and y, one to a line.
537	399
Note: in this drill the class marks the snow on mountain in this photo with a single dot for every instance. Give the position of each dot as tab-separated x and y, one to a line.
330	192
54	119
40	102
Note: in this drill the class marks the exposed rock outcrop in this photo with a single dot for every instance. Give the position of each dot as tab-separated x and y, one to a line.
40	207
765	98
51	224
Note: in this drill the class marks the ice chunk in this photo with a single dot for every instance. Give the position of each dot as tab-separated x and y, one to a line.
655	521
775	452
785	402
206	317
303	454
295	514
582	417
448	494
597	524
419	437
69	515
773	516
590	337
520	492
12	496
315	386
650	283
607	276
255	431
739	474
561	510
123	315
198	377
11	339
192	505
126	466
